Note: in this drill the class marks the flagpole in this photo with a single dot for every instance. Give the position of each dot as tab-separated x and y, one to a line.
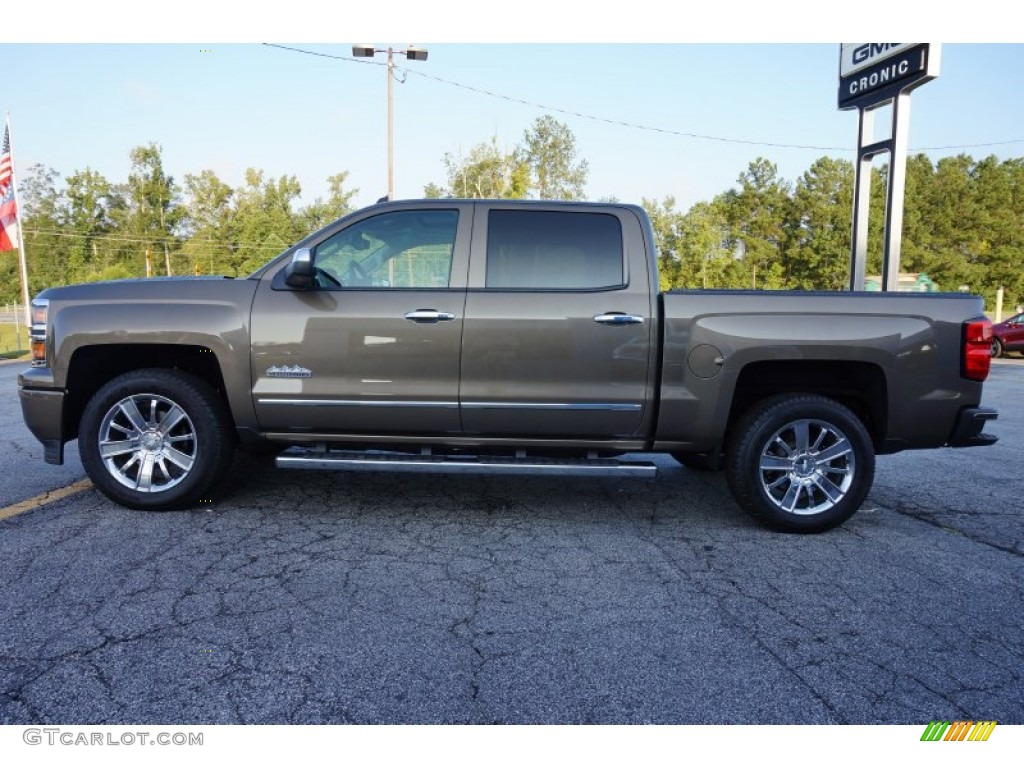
21	233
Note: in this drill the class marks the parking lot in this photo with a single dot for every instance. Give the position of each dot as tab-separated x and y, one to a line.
305	597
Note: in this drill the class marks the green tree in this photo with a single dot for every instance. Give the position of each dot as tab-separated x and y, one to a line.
38	193
153	211
758	213
321	212
693	247
918	239
46	250
946	239
549	151
999	196
666	222
208	223
705	230
434	191
820	227
265	220
90	204
487	172
963	219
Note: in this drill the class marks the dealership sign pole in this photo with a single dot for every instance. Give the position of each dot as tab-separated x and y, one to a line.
872	75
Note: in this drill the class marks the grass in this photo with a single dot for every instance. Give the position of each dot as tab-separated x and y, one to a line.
12	345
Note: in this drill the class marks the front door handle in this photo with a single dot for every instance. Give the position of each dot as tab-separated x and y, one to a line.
427	316
617	318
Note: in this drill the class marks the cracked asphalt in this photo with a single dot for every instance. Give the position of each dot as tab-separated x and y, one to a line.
306	597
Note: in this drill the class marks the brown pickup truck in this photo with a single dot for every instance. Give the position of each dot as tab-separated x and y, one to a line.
499	336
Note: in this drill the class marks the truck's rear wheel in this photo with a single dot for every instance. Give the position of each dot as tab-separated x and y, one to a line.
155	439
800	463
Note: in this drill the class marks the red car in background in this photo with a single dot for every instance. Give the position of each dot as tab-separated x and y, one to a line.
1008	336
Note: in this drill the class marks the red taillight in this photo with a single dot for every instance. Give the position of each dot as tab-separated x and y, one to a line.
977	358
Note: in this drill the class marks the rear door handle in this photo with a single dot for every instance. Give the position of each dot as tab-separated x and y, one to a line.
617	318
427	316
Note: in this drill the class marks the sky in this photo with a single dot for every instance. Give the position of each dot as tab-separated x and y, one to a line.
659	114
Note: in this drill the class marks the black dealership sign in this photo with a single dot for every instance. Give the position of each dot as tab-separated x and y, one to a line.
883	80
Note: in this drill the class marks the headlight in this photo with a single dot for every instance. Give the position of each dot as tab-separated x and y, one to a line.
40	315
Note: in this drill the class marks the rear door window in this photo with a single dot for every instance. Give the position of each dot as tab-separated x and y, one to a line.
553	250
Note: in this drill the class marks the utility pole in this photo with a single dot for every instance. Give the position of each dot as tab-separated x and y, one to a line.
391	123
413	53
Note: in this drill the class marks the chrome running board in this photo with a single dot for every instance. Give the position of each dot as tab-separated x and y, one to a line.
383	461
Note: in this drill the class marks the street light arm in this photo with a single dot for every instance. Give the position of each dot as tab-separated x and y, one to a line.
413	53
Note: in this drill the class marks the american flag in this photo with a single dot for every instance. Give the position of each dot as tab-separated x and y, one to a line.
8	208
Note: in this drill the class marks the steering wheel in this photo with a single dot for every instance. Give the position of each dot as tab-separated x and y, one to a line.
323	276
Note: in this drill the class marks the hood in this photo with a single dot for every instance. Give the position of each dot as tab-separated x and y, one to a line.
145	289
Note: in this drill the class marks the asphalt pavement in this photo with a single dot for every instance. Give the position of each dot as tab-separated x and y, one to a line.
23	473
308	597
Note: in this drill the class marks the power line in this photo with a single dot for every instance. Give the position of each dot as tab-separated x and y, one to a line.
623	123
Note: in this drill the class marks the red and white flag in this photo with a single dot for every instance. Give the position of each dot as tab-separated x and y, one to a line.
8	206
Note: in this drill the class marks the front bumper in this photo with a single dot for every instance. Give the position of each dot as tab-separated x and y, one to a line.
43	410
967	431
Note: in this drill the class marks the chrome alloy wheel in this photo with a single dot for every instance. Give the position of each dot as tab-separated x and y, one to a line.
807	467
147	443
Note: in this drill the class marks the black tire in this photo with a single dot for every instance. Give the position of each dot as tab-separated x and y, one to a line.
167	436
700	462
997	348
800	463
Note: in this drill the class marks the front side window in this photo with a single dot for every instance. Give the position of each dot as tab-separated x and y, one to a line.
401	249
554	250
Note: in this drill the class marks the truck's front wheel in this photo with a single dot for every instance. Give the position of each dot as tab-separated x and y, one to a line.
155	439
800	463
